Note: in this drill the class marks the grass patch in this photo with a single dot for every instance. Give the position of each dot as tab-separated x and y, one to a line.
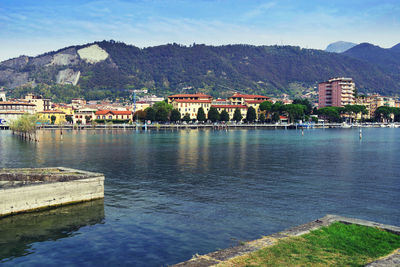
338	244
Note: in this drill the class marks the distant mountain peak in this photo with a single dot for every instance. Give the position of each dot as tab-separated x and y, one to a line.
339	47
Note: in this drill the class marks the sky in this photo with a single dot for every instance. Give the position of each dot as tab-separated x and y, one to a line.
32	27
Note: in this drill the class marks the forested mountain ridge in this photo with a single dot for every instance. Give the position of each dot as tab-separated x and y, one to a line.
109	69
387	59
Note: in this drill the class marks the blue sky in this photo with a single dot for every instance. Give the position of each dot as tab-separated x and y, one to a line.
32	27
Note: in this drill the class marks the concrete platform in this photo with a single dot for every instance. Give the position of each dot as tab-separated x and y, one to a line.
30	189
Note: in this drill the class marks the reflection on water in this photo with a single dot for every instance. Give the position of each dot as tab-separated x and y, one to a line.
172	194
19	232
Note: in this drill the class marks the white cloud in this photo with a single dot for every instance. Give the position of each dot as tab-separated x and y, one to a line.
257	11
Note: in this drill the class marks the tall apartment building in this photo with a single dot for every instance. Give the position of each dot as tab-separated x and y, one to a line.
336	92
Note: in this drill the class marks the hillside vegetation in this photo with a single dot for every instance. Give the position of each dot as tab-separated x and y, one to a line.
166	69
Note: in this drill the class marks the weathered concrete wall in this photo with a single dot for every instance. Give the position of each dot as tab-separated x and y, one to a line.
34	196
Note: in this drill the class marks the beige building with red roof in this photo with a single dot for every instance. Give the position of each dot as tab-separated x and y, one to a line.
114	115
12	110
190	103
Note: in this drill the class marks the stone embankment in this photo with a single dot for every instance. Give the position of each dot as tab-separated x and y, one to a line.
221	256
28	189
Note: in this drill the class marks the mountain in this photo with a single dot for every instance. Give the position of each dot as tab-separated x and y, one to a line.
396	48
386	59
339	47
110	69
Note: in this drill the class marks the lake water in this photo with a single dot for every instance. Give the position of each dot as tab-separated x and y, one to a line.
170	195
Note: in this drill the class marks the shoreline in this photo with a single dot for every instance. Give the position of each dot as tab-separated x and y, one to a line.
215	126
224	255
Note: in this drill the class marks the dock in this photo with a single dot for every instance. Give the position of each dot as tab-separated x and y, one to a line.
31	189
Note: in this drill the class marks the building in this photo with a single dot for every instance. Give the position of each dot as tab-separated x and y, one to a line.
248	101
46	116
114	115
231	109
78	102
3	96
84	116
336	92
141	105
41	104
372	102
190	103
151	99
10	110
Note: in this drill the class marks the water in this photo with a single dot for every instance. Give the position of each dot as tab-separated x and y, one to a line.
170	195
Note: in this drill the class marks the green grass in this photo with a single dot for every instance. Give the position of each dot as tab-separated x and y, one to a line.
336	245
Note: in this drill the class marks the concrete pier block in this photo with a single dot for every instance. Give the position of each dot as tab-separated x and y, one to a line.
29	189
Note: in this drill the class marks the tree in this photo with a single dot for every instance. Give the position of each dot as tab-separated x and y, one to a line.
201	116
139	115
237	115
162	115
275	117
384	113
305	102
150	114
186	117
277	107
163	105
330	113
53	119
396	114
295	111
261	117
175	115
69	118
251	115
266	106
224	116
88	118
213	114
355	109
25	126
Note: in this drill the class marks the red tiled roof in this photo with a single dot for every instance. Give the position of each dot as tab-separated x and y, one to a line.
283	117
114	112
190	95
229	106
192	101
250	96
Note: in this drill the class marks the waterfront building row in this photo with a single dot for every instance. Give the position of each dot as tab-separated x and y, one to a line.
339	92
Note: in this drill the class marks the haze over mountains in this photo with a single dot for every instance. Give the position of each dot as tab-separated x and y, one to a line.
107	68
